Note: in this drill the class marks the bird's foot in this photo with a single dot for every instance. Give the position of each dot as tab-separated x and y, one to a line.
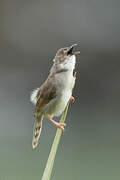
57	124
72	99
60	125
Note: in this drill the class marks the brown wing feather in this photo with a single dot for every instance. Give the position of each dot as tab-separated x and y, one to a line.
46	93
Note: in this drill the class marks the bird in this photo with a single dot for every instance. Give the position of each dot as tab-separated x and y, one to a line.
51	98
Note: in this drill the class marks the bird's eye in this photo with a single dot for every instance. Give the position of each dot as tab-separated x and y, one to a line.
61	52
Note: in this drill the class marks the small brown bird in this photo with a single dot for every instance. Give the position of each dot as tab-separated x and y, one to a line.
52	97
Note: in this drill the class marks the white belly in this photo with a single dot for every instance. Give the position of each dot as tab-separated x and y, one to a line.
65	85
62	102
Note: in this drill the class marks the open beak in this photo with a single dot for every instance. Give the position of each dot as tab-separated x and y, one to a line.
70	50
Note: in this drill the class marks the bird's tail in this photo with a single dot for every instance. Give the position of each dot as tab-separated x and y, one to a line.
37	131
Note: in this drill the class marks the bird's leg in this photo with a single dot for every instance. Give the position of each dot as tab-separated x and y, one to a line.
72	99
57	124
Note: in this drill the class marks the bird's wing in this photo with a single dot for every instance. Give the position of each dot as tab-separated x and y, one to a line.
46	93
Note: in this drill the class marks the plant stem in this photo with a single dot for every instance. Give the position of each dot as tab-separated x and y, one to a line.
51	158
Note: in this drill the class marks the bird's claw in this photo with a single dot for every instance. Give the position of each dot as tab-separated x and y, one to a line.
72	99
60	125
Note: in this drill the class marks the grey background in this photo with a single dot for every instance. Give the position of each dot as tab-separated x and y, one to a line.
30	34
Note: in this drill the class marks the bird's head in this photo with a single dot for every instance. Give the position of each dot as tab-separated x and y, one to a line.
64	55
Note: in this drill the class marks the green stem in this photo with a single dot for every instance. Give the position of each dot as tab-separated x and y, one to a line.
51	158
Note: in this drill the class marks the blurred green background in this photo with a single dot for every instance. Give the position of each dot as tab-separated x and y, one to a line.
30	34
